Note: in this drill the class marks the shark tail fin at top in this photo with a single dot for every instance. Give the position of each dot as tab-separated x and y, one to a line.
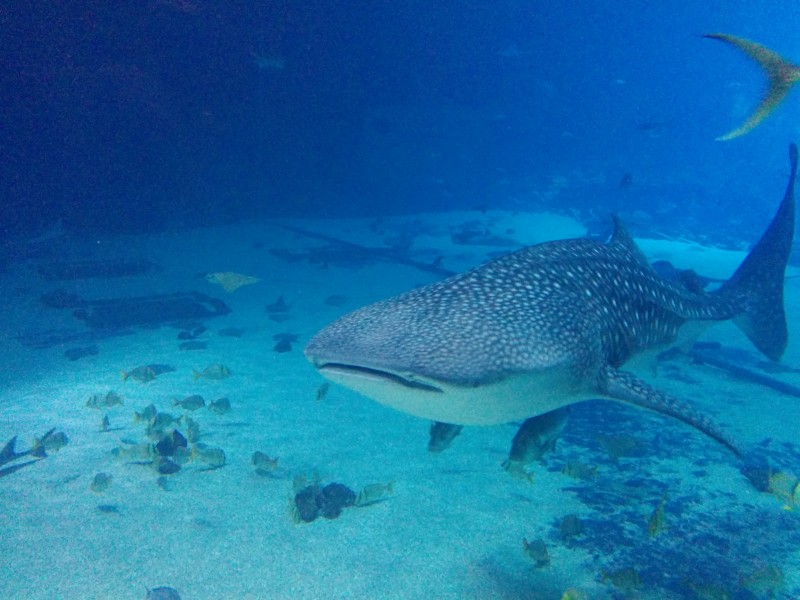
759	280
781	76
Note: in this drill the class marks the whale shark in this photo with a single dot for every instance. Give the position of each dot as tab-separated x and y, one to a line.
781	77
548	326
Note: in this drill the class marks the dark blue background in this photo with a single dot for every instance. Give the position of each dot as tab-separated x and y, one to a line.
148	115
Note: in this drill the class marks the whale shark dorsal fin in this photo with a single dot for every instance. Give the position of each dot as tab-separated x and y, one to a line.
622	238
781	76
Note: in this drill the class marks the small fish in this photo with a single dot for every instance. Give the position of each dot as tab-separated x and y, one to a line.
192	345
192	430
220	406
619	445
161	424
182	455
374	492
213	372
279	317
764	581
322	391
626	181
165	466
518	471
165	483
574	594
163	593
133	452
52	441
231	282
282	346
536	550
109	509
104	400
655	524
191	334
336	300
442	436
536	437
288	337
105	424
142	374
235	332
571	526
78	353
279	306
147	415
168	444
101	482
578	470
192	402
213	457
264	464
626	579
784	486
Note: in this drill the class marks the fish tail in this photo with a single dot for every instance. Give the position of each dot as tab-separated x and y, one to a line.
195	374
758	282
125	375
781	77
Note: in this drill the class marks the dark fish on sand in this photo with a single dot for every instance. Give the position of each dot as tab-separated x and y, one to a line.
336	300
106	400
100	483
213	372
235	332
147	415
147	373
142	374
192	402
264	464
213	457
536	437
220	406
549	326
442	436
279	306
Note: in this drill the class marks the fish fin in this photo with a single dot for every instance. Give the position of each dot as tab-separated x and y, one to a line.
626	387
781	77
7	454
759	280
622	238
38	450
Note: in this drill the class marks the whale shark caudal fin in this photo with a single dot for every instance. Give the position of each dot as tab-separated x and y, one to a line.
759	280
781	76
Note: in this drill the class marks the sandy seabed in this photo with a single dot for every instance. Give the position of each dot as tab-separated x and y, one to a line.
454	524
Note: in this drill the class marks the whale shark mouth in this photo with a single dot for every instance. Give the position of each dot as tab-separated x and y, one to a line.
349	370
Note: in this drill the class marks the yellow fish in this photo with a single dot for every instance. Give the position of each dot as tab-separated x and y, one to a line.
781	76
231	282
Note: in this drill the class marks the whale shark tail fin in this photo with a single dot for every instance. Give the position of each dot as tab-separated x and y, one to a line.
759	280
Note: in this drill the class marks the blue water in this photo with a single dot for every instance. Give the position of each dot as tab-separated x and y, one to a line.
174	113
162	116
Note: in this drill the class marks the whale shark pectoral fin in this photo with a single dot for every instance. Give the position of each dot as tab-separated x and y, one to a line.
626	387
781	76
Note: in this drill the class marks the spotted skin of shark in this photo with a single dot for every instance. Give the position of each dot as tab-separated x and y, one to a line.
548	326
